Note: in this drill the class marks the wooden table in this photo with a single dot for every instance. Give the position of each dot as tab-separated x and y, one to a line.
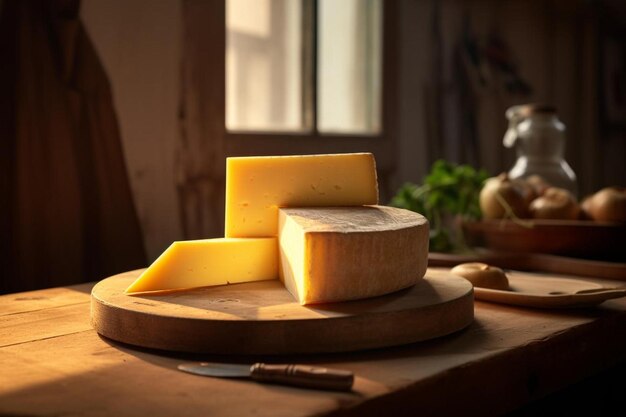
53	363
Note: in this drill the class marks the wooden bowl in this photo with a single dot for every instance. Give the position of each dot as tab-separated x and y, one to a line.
578	238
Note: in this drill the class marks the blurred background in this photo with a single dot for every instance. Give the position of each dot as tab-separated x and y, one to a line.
116	116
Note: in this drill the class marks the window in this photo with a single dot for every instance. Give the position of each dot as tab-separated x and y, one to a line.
349	66
294	86
264	65
304	66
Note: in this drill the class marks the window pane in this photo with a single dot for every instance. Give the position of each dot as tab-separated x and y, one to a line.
264	65
349	66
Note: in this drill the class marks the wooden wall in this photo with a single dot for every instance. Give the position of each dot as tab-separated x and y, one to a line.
554	43
139	43
555	47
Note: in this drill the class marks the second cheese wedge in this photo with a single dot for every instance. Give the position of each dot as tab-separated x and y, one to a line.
257	186
347	253
201	263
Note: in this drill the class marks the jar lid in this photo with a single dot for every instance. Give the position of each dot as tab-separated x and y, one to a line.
526	110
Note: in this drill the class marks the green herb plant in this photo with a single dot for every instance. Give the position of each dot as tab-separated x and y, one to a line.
447	198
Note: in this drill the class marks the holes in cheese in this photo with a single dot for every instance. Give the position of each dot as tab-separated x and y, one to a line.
257	186
200	263
347	253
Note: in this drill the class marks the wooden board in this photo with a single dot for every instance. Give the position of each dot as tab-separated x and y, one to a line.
578	238
534	262
263	318
545	291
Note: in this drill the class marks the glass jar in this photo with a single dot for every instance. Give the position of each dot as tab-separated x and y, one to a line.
539	139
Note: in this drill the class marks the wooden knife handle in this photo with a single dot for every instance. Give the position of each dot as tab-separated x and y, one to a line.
303	376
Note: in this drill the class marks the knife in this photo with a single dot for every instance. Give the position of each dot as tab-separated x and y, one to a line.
294	375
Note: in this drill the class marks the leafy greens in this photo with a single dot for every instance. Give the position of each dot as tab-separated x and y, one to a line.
448	195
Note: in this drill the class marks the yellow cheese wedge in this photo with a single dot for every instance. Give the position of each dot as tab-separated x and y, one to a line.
257	186
200	263
347	253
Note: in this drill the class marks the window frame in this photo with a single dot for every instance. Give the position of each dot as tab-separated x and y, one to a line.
205	143
382	144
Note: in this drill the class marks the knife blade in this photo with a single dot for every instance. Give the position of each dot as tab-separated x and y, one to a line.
288	374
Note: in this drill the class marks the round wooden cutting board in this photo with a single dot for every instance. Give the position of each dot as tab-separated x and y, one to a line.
263	318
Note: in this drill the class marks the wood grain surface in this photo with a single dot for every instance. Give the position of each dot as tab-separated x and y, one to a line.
578	238
54	363
549	291
534	262
263	318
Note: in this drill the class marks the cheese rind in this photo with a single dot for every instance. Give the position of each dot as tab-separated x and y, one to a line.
257	186
200	263
347	253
